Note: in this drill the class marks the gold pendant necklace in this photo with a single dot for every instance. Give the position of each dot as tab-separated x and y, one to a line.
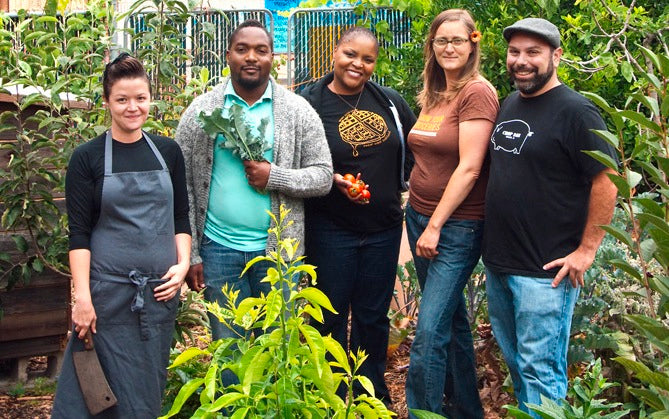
355	108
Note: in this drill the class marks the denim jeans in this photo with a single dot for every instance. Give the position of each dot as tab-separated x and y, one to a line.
357	272
531	322
222	265
442	364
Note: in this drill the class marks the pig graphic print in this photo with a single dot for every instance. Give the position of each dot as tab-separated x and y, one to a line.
511	136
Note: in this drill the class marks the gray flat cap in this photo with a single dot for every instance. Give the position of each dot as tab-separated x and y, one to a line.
539	27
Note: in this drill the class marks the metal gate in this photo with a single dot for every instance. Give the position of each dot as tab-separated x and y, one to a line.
312	34
207	50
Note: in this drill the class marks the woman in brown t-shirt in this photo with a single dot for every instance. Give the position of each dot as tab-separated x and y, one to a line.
444	216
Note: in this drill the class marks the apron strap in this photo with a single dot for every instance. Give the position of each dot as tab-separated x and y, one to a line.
108	152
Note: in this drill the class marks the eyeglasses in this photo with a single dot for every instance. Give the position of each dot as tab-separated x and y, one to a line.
442	42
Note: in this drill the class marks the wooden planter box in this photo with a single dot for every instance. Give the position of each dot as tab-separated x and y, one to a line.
36	317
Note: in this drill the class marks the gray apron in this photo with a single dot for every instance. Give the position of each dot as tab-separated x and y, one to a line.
132	247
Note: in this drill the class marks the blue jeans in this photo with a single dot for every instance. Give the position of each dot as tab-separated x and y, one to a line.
357	272
531	321
222	265
442	362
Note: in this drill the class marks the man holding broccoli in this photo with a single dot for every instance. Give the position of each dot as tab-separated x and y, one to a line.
250	146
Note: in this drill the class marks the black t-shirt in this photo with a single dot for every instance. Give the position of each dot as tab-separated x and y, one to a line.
365	141
540	180
85	173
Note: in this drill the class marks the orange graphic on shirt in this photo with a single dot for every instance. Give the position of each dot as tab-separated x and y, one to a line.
362	128
428	124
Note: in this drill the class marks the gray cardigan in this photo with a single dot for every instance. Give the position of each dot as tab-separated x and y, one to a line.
302	165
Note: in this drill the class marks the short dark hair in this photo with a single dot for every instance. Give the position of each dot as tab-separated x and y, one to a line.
125	66
250	23
358	31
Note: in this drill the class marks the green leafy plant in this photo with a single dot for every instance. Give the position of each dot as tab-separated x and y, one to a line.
424	414
584	394
179	376
285	371
190	313
241	137
646	114
17	390
51	65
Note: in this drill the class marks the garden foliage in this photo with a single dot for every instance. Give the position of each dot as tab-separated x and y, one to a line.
290	370
51	64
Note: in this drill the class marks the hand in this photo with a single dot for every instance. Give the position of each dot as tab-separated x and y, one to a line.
426	246
175	278
343	186
83	317
573	265
257	173
195	277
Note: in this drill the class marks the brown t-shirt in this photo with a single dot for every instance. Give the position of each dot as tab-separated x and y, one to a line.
434	141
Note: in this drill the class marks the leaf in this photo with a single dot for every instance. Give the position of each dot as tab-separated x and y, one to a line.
256	370
644	374
240	136
337	351
660	284
273	308
253	261
314	341
621	184
641	119
186	356
25	67
627	268
226	400
627	71
620	234
245	306
316	312
315	296
655	221
21	243
210	380
604	159
186	391
656	332
37	265
648	396
607	136
366	383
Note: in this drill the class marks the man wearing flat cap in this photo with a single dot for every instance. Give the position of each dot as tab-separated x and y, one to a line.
545	203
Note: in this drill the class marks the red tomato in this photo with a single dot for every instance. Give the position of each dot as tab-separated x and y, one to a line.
365	194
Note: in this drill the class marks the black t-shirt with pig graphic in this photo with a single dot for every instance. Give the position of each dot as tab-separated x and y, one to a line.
540	180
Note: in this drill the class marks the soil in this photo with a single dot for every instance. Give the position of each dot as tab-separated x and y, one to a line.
490	374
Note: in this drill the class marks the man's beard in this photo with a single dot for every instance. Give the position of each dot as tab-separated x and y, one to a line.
250	84
536	83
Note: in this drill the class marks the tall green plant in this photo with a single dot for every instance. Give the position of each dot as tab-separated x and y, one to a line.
161	44
50	65
646	116
283	373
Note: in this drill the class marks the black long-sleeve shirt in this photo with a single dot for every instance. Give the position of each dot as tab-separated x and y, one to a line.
85	173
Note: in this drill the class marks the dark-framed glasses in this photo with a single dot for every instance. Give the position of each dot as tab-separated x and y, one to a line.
442	42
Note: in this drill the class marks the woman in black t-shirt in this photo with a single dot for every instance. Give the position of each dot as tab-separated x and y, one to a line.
354	241
127	209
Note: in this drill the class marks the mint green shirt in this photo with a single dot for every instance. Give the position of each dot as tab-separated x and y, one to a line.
237	213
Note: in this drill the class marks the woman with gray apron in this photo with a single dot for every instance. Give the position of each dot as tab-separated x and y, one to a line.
129	251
